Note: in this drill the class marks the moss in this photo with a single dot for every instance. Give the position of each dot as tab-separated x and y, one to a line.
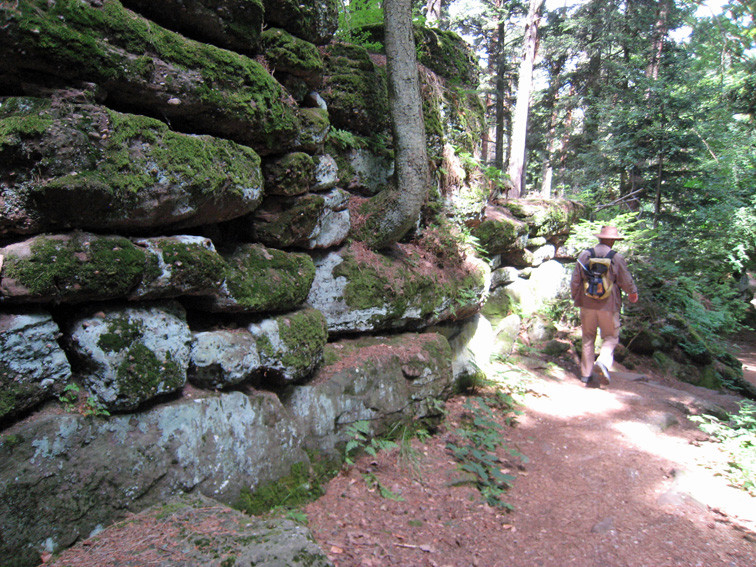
292	174
142	374
80	266
291	54
89	42
193	265
143	152
355	89
304	483
22	118
122	332
262	279
499	235
291	227
391	284
304	333
14	393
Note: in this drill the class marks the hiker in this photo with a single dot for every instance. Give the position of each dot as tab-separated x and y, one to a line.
597	313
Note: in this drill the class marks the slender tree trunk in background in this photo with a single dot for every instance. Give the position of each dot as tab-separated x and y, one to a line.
500	96
524	87
550	103
433	12
395	212
657	41
486	133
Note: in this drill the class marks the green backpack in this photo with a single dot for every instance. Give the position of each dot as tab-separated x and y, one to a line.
598	284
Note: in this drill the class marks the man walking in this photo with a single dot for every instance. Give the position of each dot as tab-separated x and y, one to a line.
603	314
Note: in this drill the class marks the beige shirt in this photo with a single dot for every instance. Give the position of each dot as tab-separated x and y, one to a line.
619	274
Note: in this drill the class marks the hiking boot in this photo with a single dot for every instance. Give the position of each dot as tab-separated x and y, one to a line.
602	372
592	382
585	379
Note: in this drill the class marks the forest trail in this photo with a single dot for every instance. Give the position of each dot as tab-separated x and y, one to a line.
746	342
614	477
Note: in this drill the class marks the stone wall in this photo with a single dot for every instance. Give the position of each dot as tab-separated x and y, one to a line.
182	306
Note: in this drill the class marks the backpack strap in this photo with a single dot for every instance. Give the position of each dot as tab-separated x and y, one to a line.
592	252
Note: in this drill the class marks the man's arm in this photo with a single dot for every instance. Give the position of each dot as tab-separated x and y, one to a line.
625	279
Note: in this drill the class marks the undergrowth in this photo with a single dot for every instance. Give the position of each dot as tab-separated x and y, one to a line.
737	438
477	441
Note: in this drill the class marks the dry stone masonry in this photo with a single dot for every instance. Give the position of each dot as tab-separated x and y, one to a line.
184	309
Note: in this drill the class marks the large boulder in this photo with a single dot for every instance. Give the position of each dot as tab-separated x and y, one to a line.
179	266
273	352
201	531
196	86
259	279
131	355
315	21
64	476
231	24
312	221
289	175
499	231
133	172
550	218
33	367
361	290
71	268
355	89
380	380
297	64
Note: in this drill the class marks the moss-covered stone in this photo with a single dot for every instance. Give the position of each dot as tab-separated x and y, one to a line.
132	171
195	85
231	24
292	55
395	292
314	131
178	266
131	355
292	174
315	21
443	52
304	333
264	279
290	226
355	90
546	217
499	232
71	268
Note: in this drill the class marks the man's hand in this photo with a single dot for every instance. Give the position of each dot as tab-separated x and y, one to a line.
633	298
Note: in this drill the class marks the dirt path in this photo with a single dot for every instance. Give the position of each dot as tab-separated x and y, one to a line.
615	477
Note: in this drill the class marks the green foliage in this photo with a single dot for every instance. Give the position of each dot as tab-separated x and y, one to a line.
360	439
91	406
737	439
70	396
476	444
355	14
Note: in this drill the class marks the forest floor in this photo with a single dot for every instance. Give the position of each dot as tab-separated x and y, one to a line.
611	477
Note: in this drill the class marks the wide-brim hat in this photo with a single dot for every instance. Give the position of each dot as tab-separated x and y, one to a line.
609	233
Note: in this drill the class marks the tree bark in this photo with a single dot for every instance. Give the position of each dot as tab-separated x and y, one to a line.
393	212
433	12
524	88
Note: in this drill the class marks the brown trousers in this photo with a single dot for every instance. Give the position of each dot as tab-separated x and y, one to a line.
591	321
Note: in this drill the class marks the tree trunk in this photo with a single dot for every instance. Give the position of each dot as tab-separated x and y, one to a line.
393	212
500	88
550	103
524	87
433	12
